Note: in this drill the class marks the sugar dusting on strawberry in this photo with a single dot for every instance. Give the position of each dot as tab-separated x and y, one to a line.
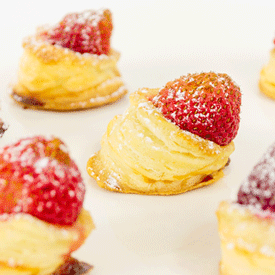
205	104
38	177
86	32
258	189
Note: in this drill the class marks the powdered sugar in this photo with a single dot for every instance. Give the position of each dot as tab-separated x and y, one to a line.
41	164
113	181
230	246
267	251
145	105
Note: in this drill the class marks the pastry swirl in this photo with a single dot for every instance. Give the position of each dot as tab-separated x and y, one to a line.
31	246
142	152
267	77
244	249
55	78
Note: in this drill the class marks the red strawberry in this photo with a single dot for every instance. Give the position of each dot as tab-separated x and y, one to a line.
205	104
87	32
258	189
38	177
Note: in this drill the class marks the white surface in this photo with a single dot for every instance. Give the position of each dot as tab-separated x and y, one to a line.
159	41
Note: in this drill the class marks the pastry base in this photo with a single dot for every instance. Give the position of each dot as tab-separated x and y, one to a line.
102	177
31	246
71	267
247	241
30	102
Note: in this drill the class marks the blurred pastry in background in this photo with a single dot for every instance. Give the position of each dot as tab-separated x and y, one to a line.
42	219
170	140
71	65
247	225
267	76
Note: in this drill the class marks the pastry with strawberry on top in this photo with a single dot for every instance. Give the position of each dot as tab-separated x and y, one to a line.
42	219
71	65
247	224
170	140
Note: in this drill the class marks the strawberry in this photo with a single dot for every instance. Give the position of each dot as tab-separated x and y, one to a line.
38	177
86	32
258	189
205	104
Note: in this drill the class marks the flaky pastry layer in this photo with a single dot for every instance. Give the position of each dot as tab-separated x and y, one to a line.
267	77
54	78
247	241
30	246
142	152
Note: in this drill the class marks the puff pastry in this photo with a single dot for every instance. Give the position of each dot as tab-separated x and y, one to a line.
30	246
54	77
42	219
247	241
247	223
267	77
142	152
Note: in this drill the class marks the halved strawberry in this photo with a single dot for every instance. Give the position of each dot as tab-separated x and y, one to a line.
86	32
205	104
38	177
258	189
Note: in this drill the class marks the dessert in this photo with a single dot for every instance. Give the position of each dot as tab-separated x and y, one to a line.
71	65
267	76
42	219
170	140
247	224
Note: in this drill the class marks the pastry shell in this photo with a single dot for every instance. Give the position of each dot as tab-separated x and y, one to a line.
51	77
247	241
31	246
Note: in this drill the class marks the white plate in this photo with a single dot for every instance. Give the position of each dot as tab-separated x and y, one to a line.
150	234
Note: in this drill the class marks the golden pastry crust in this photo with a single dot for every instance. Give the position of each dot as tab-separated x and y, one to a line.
247	241
31	246
142	152
267	77
71	267
55	78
